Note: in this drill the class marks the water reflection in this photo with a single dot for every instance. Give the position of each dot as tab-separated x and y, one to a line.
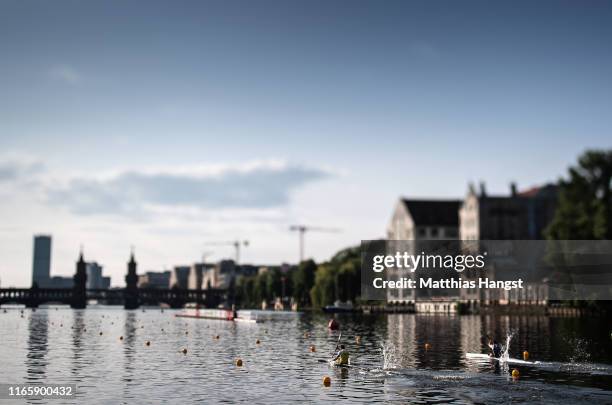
281	368
38	337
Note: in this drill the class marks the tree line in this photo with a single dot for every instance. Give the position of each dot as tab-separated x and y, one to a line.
310	285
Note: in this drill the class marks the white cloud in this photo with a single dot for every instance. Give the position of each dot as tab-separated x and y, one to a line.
66	74
258	185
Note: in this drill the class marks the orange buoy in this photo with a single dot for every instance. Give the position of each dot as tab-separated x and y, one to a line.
327	381
217	337
525	355
148	343
515	373
357	339
427	346
120	337
257	342
306	335
313	349
333	324
186	332
184	351
100	333
238	362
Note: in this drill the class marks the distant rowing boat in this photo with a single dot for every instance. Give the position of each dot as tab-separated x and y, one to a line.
508	360
218	314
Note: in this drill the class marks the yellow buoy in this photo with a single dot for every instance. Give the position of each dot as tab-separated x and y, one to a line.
184	351
525	355
327	381
313	348
427	346
148	343
238	362
515	373
257	342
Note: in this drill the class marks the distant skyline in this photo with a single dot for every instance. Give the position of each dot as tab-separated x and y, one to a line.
167	125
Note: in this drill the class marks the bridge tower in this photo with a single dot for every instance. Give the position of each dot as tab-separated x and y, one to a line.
79	289
131	285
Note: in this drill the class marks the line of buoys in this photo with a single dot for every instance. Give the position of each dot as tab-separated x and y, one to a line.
515	373
327	381
525	355
238	362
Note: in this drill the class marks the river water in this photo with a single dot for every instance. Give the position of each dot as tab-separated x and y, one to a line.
83	347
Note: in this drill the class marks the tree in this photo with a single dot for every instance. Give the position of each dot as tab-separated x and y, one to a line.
273	283
323	292
585	200
303	280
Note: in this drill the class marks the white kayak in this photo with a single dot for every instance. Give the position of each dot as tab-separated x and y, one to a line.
509	360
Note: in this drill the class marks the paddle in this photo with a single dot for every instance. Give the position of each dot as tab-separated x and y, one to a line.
338	342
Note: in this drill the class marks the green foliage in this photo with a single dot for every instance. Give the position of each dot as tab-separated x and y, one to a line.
308	284
339	278
302	281
323	292
585	200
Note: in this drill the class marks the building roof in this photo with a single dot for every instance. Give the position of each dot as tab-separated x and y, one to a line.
433	212
540	191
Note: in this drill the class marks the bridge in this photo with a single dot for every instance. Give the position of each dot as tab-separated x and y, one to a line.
175	298
130	297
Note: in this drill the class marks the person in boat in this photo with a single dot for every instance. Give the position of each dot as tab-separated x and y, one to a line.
496	348
342	357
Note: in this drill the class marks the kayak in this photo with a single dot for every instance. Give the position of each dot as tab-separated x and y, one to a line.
333	363
509	360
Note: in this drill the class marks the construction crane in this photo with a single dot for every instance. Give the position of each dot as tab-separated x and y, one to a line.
302	229
235	243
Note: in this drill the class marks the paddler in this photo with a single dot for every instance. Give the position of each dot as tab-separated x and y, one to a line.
496	348
342	357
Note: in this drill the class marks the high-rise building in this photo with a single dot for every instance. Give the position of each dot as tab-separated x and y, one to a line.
41	263
94	275
179	277
95	279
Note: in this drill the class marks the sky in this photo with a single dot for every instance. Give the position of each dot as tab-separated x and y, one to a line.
172	125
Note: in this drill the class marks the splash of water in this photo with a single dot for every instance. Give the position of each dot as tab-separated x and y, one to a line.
580	353
389	356
506	348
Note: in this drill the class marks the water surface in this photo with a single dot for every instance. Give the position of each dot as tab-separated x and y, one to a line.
83	347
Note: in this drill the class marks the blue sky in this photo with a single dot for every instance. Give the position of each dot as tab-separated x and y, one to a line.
169	124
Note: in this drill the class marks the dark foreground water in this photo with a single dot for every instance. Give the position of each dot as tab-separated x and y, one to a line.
65	347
